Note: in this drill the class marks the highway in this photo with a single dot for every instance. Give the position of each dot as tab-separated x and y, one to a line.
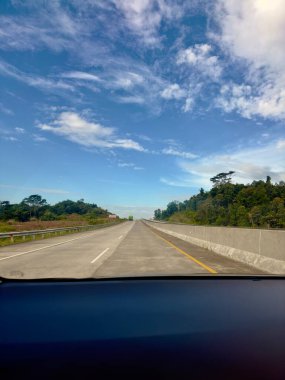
127	249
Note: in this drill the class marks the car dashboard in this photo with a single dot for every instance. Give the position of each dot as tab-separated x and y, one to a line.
194	327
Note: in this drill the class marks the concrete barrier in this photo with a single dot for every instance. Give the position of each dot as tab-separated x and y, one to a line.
259	248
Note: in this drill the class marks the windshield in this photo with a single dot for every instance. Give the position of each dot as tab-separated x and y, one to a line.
142	138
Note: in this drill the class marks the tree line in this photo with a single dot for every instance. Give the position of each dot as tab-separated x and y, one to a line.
258	204
37	207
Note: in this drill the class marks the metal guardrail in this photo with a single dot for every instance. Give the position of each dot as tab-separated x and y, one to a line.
56	231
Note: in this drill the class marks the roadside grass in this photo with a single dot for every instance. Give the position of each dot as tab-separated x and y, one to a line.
39	225
24	239
186	217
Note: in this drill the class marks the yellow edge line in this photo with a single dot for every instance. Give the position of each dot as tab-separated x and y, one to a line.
187	255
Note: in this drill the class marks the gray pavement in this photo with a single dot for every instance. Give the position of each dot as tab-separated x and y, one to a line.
127	249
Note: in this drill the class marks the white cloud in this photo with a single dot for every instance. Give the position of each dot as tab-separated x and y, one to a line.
38	138
281	144
189	103
175	152
80	75
258	99
176	182
10	138
199	57
129	165
127	80
130	99
5	110
250	164
173	91
87	35
253	30
252	33
144	138
19	130
35	189
32	80
50	26
144	17
89	134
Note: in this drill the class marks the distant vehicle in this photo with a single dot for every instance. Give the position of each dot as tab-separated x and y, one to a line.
113	216
131	217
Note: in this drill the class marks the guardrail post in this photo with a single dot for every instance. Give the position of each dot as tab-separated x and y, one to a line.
43	235
24	237
12	238
33	237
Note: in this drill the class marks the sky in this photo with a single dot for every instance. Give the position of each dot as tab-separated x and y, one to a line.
133	104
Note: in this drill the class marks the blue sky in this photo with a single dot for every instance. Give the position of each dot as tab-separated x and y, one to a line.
132	104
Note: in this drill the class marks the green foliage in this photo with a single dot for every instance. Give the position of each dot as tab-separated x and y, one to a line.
35	206
259	204
222	178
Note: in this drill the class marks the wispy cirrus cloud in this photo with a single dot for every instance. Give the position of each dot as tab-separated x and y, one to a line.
5	110
253	163
81	75
35	189
173	151
38	138
56	27
48	25
126	79
33	80
129	165
77	129
131	99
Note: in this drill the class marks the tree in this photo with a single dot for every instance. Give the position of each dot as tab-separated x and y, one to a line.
171	208
258	204
255	216
48	215
157	214
276	214
6	210
222	178
35	205
34	202
242	217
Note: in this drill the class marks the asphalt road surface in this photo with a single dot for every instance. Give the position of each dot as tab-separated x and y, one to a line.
127	249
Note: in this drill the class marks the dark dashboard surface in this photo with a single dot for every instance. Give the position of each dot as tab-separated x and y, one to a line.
194	328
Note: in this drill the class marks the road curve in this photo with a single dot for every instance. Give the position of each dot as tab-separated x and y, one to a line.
127	249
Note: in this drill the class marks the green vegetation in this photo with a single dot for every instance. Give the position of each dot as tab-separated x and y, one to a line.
35	213
131	217
259	204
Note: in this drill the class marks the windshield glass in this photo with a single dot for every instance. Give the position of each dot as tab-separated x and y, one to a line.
142	138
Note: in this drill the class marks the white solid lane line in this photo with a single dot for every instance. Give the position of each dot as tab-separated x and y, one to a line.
101	254
47	246
120	237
